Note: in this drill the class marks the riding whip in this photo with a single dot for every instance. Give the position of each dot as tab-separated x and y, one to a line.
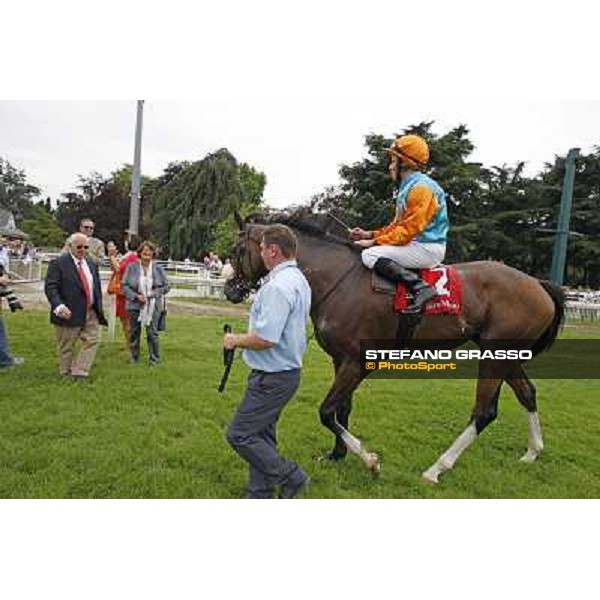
227	360
339	221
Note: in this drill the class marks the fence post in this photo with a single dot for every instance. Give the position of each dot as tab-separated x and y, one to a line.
559	254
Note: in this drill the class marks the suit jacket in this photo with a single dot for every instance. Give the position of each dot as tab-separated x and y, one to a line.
63	286
130	285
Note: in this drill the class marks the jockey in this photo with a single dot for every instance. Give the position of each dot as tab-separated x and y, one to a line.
416	238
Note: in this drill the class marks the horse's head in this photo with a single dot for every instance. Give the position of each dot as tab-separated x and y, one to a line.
247	262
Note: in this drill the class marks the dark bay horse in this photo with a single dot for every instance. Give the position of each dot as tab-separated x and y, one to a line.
499	303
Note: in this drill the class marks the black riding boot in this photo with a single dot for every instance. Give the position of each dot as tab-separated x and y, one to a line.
421	292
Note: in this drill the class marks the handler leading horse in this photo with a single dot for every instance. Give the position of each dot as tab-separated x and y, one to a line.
499	303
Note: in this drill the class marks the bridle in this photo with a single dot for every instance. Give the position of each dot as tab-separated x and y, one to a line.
240	283
243	287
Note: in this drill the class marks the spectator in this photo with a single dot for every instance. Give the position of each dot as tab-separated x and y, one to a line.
214	262
112	251
114	285
16	248
75	296
145	285
6	359
28	253
128	258
4	254
227	271
96	251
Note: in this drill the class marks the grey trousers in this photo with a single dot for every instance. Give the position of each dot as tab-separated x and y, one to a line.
151	337
252	432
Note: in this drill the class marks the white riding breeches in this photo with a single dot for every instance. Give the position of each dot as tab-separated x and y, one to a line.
413	255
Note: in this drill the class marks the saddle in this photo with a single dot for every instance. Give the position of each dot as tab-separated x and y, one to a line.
443	278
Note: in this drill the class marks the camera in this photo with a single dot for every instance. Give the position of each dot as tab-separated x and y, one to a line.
5	292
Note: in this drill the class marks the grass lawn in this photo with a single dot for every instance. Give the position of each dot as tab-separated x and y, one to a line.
205	301
138	432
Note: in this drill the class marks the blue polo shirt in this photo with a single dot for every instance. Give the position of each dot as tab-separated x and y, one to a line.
279	315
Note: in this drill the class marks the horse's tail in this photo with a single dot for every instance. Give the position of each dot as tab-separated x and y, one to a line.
545	341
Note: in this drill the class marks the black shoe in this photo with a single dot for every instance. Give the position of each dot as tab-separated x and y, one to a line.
421	292
15	362
15	306
424	294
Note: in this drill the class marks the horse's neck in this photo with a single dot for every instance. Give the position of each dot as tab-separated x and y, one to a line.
324	265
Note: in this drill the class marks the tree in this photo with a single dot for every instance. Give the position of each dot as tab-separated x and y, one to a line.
42	227
192	203
155	226
105	200
253	184
15	193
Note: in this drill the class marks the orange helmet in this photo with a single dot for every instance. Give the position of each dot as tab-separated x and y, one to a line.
412	150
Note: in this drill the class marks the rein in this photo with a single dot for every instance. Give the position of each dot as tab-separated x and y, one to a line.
253	286
334	286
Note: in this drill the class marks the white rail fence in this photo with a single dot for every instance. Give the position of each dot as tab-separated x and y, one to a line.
25	271
582	311
188	280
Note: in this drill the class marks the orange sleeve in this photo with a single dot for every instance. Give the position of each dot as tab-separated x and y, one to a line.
421	206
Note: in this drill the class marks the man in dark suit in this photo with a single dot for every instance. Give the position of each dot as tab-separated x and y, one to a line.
75	295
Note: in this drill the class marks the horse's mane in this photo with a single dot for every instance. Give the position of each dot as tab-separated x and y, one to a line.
318	225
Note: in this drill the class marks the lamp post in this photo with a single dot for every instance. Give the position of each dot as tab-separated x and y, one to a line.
134	209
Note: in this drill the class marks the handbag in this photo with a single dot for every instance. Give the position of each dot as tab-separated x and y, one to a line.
114	285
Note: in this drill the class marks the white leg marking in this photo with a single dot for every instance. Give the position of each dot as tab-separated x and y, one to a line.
536	444
353	444
446	461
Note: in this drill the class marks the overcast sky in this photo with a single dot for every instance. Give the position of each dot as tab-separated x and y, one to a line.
299	146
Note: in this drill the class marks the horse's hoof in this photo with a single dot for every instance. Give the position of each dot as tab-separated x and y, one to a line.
431	476
372	462
529	456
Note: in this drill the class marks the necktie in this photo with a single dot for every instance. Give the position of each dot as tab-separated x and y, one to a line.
84	281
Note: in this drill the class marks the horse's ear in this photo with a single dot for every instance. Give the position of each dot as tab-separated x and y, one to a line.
238	219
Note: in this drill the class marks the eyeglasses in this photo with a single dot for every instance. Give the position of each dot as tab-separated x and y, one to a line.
80	247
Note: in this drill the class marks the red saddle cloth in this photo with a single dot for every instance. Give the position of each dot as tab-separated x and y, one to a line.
448	285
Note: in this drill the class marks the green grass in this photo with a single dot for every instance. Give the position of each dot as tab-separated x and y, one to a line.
137	432
184	286
205	301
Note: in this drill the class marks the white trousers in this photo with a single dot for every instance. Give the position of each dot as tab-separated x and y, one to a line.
413	255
